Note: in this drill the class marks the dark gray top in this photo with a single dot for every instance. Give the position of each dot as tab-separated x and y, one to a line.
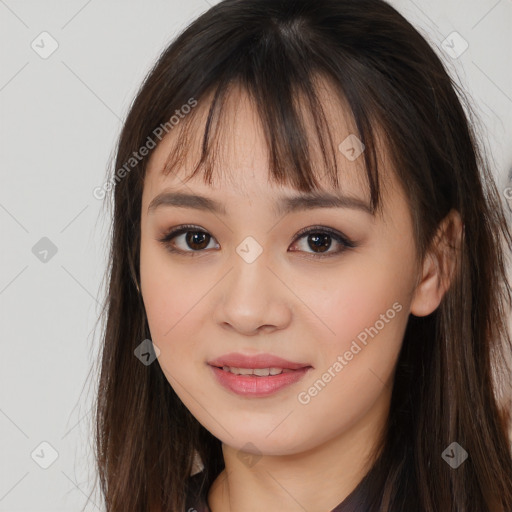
356	501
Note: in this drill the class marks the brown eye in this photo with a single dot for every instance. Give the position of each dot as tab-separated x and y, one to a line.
194	240
191	241
319	241
197	240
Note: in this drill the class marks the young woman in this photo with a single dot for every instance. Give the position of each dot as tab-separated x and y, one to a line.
307	295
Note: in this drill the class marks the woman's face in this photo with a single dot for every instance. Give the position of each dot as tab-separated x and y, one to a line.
248	284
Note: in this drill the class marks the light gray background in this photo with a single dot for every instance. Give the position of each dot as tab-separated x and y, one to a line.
60	118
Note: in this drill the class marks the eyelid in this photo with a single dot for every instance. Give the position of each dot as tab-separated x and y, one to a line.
180	230
335	234
324	229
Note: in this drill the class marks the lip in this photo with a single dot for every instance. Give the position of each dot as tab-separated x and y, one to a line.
238	360
254	386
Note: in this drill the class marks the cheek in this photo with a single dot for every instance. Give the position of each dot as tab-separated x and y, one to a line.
365	313
364	310
169	297
353	299
173	324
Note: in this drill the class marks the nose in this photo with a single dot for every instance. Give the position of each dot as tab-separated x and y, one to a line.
253	299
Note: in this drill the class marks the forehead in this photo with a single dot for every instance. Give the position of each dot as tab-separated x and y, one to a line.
239	153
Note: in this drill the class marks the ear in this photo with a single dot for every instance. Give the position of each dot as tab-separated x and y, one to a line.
439	265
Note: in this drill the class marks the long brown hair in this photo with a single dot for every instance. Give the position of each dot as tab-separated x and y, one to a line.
451	362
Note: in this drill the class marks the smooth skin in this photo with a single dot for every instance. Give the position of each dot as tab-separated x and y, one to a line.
281	454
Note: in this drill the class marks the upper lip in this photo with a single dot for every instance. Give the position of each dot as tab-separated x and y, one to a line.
237	360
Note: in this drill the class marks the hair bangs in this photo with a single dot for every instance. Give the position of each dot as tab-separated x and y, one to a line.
303	151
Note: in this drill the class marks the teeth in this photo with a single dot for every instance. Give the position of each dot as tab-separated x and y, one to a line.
260	372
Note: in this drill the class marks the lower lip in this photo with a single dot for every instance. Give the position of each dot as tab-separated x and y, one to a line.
253	386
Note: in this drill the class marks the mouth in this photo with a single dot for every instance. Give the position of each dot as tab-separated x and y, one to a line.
260	365
257	380
258	372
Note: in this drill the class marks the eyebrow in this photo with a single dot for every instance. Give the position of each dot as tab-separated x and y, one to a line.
284	205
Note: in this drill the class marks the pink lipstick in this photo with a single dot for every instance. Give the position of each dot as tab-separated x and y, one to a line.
258	375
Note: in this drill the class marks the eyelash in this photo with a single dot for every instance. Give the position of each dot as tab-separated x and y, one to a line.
339	237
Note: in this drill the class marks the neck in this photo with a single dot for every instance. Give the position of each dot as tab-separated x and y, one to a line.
317	479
